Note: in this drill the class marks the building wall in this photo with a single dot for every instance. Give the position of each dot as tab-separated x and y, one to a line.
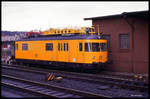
134	59
141	51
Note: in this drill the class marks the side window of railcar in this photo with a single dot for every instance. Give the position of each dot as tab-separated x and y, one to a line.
80	46
49	46
16	46
67	47
61	47
64	46
24	46
58	46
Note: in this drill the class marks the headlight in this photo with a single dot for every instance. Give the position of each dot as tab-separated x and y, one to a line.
93	57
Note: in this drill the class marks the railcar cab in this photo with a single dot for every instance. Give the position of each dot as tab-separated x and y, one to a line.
94	51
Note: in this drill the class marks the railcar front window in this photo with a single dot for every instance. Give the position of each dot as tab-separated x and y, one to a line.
87	47
103	47
95	47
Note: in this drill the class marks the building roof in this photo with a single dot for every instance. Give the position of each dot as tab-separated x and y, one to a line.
143	14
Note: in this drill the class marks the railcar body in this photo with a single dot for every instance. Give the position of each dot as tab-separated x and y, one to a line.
87	50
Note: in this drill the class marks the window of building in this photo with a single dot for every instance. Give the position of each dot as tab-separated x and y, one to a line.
24	46
124	41
49	46
80	46
16	46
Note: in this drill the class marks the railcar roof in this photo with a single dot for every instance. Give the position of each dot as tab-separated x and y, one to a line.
70	37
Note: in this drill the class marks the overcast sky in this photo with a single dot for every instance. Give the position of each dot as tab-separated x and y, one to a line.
27	16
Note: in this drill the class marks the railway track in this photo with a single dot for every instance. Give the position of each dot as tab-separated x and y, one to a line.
130	84
45	90
130	76
106	74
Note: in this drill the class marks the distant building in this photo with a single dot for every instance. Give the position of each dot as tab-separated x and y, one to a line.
12	36
8	38
128	41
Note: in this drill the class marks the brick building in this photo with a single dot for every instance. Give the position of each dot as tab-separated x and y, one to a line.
128	40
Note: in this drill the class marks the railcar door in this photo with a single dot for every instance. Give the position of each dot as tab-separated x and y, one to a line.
81	52
73	58
60	52
63	51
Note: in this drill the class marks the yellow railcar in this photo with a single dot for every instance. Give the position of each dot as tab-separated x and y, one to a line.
88	50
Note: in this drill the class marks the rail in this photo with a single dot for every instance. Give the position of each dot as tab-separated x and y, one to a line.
130	84
47	90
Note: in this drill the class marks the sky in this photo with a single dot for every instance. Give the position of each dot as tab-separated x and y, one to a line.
27	16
